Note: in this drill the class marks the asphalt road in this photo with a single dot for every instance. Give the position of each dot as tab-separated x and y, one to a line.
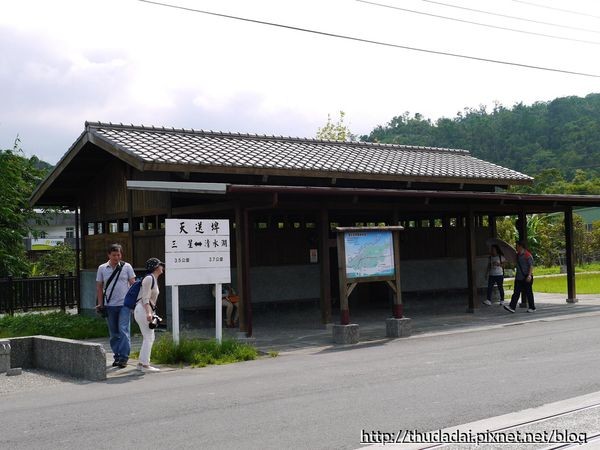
316	399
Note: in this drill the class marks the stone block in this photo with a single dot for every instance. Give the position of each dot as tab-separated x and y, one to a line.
398	327
14	371
4	355
74	358
66	356
21	352
345	334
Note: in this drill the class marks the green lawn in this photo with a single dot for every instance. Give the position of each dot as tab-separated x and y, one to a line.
586	283
70	326
555	270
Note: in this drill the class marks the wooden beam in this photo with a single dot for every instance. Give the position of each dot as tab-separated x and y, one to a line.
570	256
201	209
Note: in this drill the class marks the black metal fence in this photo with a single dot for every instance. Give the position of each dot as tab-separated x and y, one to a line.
24	294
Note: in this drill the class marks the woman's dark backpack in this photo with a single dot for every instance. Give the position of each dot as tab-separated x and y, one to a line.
134	291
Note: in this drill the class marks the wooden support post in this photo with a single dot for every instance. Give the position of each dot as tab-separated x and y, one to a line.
522	226
130	231
344	309
62	292
471	275
492	225
84	232
246	262
77	259
398	309
570	256
522	229
240	269
325	294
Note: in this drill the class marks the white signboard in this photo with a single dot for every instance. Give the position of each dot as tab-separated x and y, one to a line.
45	244
197	251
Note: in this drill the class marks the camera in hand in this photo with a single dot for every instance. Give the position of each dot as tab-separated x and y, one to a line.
156	320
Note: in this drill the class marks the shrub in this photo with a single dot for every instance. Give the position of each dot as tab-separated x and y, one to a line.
200	352
58	324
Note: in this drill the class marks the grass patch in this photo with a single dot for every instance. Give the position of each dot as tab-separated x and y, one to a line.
554	270
587	283
58	324
199	352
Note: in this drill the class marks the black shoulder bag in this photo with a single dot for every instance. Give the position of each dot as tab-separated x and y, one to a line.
112	277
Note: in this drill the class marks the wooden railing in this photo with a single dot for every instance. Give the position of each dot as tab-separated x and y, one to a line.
25	294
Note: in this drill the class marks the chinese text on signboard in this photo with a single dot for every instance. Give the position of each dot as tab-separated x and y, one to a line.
197	251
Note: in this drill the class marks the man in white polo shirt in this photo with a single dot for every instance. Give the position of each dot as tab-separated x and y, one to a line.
112	283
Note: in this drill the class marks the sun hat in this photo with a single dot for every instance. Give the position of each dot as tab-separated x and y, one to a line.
153	263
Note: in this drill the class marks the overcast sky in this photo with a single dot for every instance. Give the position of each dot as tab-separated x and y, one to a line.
65	62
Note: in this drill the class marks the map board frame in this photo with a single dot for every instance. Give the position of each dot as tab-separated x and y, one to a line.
347	284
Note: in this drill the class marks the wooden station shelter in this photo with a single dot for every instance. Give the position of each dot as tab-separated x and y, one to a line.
284	198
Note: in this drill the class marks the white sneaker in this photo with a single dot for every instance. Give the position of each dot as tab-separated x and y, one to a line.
150	369
530	310
487	302
501	303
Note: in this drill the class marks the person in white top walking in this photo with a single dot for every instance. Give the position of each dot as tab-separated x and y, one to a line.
495	274
144	311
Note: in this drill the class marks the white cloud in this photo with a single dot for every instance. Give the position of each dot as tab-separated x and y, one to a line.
126	61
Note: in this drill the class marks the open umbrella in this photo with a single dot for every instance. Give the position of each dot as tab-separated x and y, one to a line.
507	250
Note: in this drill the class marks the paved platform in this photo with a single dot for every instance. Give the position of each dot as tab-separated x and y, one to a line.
301	330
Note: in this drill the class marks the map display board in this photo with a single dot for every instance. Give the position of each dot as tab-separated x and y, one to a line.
197	251
369	254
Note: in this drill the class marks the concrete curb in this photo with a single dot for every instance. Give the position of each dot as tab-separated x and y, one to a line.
77	359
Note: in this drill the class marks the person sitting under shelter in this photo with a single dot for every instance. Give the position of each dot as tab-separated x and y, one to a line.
229	299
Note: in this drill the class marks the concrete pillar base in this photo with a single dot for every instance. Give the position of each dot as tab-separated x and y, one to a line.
398	327
572	300
345	334
4	356
243	339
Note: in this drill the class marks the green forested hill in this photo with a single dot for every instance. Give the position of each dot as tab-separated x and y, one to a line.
554	140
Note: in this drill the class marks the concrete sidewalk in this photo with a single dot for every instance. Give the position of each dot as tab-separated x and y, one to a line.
301	331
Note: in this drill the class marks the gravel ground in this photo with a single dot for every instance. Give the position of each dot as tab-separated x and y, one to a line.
31	380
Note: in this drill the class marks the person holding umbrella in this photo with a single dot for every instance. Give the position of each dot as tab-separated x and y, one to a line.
495	274
523	279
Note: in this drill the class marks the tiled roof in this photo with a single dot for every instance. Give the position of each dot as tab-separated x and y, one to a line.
332	158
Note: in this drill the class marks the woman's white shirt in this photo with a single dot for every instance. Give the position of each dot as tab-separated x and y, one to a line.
148	294
494	269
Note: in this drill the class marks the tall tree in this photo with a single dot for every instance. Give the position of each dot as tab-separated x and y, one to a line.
338	131
562	134
18	178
